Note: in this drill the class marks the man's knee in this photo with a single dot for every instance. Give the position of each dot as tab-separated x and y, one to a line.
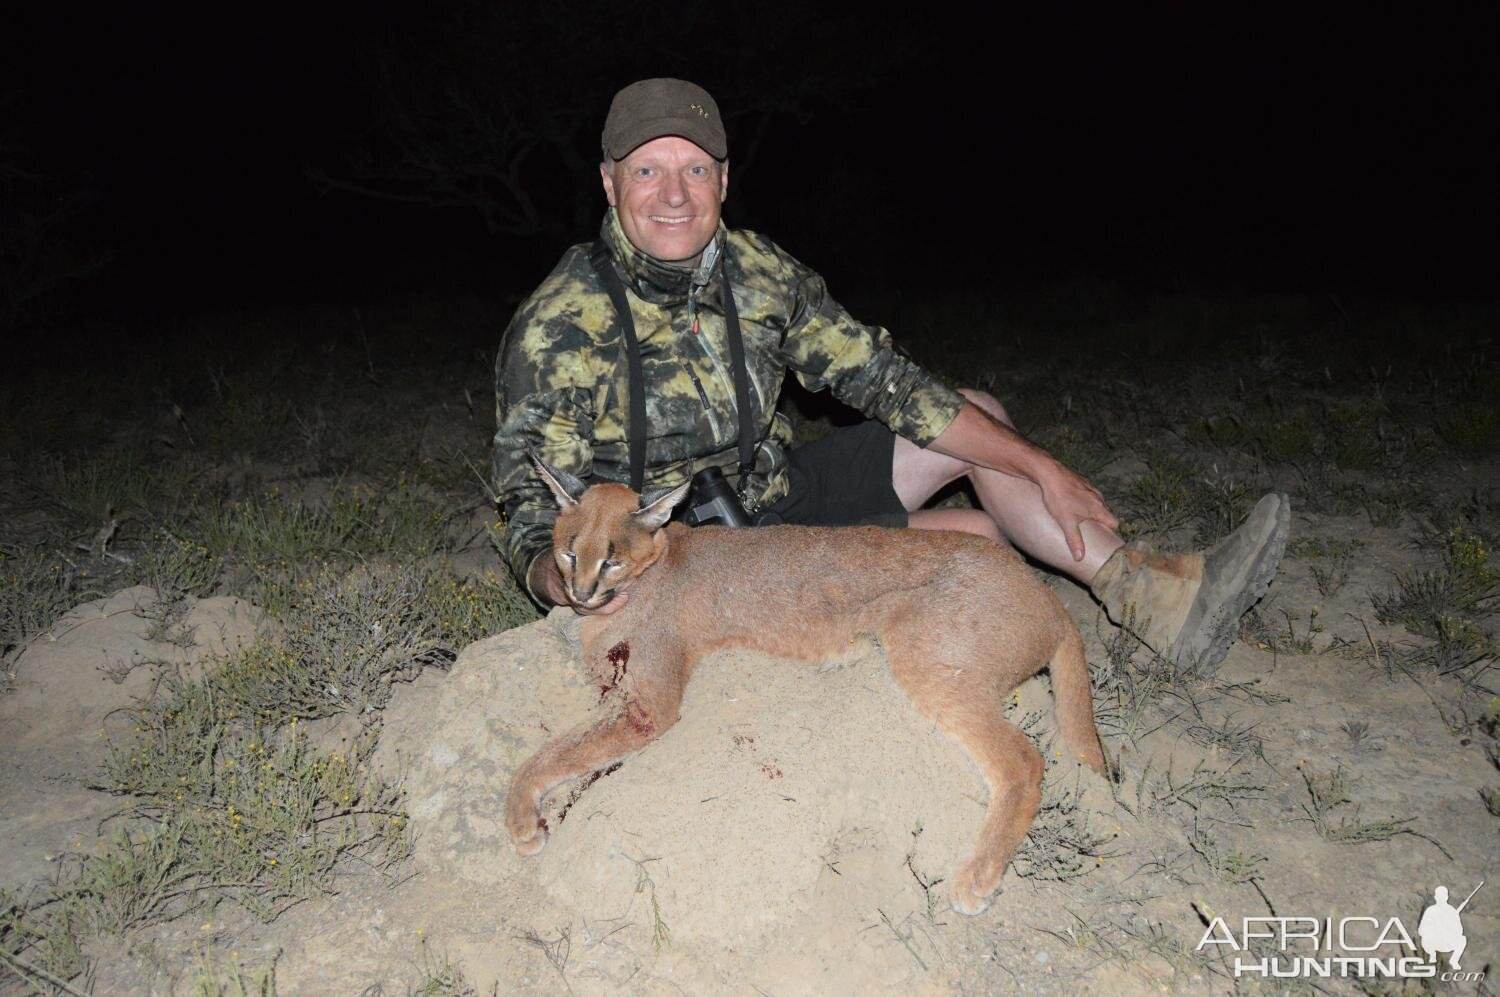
975	521
988	403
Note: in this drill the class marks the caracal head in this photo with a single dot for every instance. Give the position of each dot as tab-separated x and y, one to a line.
605	536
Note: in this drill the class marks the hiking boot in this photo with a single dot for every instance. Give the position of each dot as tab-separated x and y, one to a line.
1187	607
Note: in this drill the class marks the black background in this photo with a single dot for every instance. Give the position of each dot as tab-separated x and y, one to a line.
1216	148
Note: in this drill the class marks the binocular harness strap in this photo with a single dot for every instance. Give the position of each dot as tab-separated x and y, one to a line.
604	266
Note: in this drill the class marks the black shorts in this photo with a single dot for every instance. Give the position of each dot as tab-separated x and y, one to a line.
844	479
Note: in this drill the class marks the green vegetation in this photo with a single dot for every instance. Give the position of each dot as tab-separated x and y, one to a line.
1328	559
1464	586
35	589
1329	796
1287	635
218	979
1061	845
441	977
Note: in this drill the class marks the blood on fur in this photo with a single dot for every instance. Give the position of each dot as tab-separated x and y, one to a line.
584	784
619	661
639	719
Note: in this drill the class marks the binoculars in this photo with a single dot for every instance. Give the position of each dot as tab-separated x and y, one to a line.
712	500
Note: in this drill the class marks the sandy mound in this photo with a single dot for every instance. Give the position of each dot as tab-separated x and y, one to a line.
770	828
95	660
788	835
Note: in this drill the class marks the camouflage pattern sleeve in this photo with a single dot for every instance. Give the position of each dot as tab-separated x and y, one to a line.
827	348
544	398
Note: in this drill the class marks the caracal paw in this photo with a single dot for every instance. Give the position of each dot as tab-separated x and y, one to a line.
528	831
970	894
533	844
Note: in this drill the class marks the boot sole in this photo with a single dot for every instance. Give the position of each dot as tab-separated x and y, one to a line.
1224	624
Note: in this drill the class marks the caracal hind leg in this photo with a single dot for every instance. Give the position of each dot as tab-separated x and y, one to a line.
635	723
970	710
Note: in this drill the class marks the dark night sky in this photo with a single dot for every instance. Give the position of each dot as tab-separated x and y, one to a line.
1204	146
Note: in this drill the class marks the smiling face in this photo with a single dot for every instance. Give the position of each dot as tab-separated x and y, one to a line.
667	193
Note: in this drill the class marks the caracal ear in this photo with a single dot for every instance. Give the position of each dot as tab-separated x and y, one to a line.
566	488
656	507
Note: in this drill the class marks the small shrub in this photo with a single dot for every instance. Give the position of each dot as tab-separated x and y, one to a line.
1328	795
1160	500
1227	736
177	567
441	977
89	491
35	589
402	521
138	879
1129	693
1358	441
1060	845
1077	452
348	636
1290	440
1232	865
1262	628
1476	515
1465	585
1203	786
1220	505
245	809
276	543
41	941
166	621
1329	560
216	980
270	530
1461	649
1472	428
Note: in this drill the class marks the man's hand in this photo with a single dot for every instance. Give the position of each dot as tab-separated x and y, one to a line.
1071	500
546	581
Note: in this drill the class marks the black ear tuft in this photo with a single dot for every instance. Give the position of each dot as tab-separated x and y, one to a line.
565	487
656	506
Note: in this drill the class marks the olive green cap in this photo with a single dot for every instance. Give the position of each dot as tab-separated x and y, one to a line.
649	109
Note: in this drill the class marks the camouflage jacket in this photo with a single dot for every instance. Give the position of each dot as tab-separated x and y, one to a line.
561	376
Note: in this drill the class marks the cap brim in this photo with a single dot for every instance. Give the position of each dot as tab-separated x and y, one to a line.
701	133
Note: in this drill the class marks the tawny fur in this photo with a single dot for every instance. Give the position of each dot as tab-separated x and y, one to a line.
962	619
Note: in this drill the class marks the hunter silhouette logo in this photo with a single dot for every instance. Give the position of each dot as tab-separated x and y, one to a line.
699	110
1441	929
1355	946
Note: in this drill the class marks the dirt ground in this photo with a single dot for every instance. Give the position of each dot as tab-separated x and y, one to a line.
792	833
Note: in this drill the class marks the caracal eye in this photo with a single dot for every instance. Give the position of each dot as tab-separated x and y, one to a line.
608	564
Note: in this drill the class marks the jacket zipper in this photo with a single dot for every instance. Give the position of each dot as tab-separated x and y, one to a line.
713	359
713	422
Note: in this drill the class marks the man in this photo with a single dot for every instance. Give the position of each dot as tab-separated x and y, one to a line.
697	295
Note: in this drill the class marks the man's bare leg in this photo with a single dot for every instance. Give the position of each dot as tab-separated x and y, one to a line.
1186	607
1012	507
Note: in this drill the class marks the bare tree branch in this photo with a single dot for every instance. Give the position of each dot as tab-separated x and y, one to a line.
496	109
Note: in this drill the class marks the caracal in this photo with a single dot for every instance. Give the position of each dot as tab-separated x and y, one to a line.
962	619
